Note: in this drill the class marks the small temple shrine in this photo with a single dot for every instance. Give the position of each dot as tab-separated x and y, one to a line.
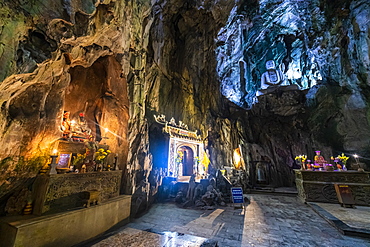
186	154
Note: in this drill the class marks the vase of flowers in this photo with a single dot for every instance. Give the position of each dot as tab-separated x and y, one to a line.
342	161
100	157
78	162
301	160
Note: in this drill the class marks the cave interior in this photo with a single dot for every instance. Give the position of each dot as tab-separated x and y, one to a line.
164	91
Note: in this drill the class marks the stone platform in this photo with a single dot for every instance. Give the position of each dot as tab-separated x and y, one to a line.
64	229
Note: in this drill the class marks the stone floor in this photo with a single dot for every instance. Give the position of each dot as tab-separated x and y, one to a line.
358	217
267	220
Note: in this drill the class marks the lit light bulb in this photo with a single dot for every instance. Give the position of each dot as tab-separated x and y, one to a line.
55	152
106	130
73	122
356	158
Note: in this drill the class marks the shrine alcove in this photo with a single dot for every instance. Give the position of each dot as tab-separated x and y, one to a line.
100	94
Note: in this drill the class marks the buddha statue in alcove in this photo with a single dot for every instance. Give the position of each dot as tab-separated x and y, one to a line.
83	128
271	79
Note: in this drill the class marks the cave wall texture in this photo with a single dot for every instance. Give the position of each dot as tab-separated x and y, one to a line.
197	61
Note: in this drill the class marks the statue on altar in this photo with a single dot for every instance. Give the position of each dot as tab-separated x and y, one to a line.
66	126
83	128
319	159
271	79
75	131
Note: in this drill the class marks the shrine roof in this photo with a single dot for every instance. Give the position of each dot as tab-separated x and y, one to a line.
180	130
181	133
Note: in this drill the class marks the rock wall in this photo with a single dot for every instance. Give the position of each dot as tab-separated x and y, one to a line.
313	42
321	46
85	72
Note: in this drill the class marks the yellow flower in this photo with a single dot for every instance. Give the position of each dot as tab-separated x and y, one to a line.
205	160
304	158
342	157
301	158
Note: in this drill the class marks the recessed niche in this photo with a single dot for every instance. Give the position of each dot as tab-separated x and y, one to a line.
100	93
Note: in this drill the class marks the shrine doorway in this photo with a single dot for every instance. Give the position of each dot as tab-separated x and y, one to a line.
187	161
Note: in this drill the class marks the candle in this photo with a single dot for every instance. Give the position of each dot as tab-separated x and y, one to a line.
53	162
105	135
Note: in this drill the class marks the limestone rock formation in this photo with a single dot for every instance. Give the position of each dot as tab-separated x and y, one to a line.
83	74
321	47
